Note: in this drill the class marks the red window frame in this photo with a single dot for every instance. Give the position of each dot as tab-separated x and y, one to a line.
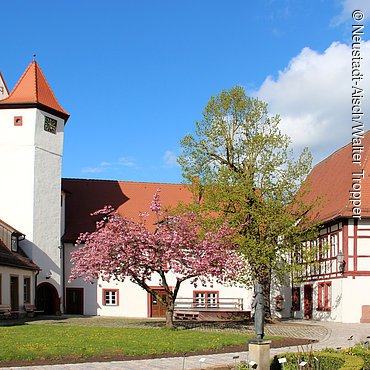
206	298
18	121
104	297
323	289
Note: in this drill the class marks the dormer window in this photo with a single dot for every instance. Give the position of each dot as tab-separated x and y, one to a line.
14	243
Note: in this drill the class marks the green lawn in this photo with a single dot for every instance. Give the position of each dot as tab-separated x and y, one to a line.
40	341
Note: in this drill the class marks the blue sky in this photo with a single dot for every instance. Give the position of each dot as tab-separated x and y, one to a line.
135	75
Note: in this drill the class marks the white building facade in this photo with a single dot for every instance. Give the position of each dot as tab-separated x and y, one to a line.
31	147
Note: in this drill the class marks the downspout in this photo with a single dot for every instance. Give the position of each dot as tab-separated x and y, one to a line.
34	297
63	276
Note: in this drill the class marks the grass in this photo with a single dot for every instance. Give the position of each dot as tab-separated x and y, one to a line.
63	340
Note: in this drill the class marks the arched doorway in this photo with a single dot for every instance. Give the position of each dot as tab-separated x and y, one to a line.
47	299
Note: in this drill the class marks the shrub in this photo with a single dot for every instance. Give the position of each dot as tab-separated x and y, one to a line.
327	361
353	363
359	351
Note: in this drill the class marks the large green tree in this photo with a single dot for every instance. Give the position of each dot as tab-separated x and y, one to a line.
241	167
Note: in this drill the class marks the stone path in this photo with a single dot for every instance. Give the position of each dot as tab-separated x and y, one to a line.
331	335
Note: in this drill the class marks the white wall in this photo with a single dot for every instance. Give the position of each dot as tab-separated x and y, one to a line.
6	272
355	294
30	197
17	158
133	300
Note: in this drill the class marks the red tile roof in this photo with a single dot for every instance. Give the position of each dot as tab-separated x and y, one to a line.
130	198
331	180
33	88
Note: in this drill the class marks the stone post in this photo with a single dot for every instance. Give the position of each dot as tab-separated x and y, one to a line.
259	352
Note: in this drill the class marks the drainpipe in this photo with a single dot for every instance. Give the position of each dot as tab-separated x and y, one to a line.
63	276
35	300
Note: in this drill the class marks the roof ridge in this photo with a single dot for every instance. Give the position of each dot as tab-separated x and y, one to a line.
36	86
123	181
19	82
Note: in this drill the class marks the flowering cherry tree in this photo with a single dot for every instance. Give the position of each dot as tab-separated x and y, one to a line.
121	248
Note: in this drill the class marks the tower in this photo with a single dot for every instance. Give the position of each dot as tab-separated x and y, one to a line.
31	148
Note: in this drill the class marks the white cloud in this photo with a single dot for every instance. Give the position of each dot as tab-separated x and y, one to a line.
93	169
348	6
170	158
108	166
313	97
126	162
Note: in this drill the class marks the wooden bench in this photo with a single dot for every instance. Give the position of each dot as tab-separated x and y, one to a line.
31	310
5	311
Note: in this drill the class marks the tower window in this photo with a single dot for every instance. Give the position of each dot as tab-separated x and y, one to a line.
18	121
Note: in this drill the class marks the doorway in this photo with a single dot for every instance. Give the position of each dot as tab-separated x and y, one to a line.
157	308
74	301
308	301
47	299
14	293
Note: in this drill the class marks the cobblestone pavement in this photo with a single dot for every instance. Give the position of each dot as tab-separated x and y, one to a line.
331	335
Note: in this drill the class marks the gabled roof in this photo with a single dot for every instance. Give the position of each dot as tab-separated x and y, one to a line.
10	228
331	180
4	91
7	256
13	259
33	90
130	198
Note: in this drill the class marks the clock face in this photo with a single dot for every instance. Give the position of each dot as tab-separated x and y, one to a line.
50	125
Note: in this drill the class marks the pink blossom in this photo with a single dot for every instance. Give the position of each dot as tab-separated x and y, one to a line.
121	248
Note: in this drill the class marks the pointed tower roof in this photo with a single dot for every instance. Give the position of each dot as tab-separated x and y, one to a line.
33	90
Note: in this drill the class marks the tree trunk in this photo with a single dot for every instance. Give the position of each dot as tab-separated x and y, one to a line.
169	316
265	281
267	295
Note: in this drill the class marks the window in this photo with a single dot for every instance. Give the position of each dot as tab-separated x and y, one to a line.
18	121
315	250
334	245
324	246
110	297
324	296
0	288
14	241
296	299
27	290
205	299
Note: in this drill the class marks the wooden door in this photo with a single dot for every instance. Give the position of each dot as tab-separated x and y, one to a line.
308	302
158	309
14	293
74	301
